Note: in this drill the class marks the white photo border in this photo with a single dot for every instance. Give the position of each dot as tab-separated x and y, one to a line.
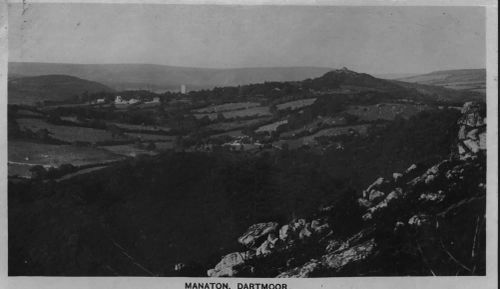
490	281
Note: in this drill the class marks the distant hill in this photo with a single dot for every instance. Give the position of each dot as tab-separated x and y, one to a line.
394	75
161	77
29	90
392	88
464	79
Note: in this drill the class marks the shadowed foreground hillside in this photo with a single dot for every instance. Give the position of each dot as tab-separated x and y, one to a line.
423	221
178	213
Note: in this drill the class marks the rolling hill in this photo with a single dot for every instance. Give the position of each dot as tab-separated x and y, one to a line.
162	77
56	88
391	88
461	79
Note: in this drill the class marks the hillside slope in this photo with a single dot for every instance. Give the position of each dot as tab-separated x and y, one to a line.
190	207
345	78
466	79
30	90
163	77
424	221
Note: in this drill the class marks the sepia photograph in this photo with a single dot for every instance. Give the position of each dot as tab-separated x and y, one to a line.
256	141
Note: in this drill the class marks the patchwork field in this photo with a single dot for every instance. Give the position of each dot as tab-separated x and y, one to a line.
151	137
256	111
134	127
68	133
295	143
362	129
71	119
161	146
385	111
28	113
233	133
271	127
23	155
314	125
236	124
296	104
226	107
128	150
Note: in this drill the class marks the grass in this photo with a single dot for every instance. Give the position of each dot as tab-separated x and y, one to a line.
271	127
161	146
134	127
257	111
29	113
233	133
151	137
385	111
22	155
314	125
296	104
68	133
226	107
334	131
236	124
128	150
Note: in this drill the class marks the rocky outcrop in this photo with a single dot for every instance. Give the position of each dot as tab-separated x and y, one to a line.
255	232
472	131
424	221
231	264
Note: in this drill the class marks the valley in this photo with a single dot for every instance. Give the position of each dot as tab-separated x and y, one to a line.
148	175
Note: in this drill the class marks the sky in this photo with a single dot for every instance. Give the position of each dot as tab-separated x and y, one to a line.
366	39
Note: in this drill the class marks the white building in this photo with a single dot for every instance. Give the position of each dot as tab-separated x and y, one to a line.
120	100
183	89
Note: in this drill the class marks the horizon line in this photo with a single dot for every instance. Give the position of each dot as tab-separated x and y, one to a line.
248	67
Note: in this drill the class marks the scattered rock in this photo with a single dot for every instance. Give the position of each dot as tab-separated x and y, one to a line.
303	271
387	203
398	226
284	232
305	232
374	185
397	176
255	232
473	134
227	267
333	245
319	228
411	168
482	141
375	196
267	246
472	145
179	267
432	197
394	195
430	178
362	202
337	261
419	220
